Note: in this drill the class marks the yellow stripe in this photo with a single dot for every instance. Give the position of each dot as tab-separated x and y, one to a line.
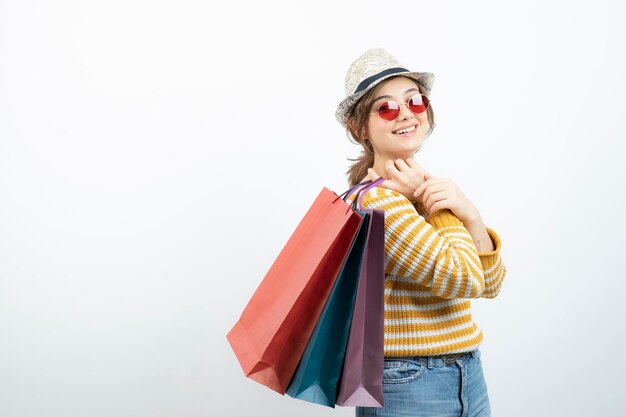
453	347
432	339
395	300
409	286
397	328
393	240
428	314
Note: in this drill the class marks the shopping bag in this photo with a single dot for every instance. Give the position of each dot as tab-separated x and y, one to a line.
317	377
275	326
362	374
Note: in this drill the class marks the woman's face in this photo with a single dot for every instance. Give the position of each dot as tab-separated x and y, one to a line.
387	136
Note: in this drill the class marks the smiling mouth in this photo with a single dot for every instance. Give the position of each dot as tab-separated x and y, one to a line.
405	131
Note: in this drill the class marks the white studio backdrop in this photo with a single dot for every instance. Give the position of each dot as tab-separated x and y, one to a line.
155	156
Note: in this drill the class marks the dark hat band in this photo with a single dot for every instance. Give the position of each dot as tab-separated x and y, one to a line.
363	85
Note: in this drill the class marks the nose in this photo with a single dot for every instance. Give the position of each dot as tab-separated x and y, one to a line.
405	112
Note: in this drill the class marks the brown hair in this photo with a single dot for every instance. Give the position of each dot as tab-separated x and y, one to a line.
356	127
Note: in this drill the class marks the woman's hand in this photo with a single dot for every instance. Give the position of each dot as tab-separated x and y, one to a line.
405	176
443	193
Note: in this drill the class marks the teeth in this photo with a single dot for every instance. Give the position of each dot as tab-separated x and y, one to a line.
406	130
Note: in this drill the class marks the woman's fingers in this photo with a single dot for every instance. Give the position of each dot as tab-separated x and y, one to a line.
401	165
411	162
434	198
372	174
391	167
431	182
433	188
415	166
423	186
439	205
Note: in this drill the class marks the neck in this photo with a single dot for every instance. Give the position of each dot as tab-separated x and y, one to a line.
380	160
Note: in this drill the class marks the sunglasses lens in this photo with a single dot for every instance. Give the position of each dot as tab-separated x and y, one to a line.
389	110
418	103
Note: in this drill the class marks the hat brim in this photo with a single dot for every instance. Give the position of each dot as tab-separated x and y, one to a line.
425	79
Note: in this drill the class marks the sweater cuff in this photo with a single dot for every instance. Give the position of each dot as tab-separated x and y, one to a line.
488	259
444	218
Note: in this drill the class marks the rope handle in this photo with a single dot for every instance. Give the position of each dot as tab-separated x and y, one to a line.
349	191
362	192
364	187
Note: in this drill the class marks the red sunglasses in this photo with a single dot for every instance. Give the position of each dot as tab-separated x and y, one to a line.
390	109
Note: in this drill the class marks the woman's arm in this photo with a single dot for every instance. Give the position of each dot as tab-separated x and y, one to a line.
438	253
493	267
435	194
439	193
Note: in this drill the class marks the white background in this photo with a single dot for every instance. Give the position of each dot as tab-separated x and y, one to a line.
155	156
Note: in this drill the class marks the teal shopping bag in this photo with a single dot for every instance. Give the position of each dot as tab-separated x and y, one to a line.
317	376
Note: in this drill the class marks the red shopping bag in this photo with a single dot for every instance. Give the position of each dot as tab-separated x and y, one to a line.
275	326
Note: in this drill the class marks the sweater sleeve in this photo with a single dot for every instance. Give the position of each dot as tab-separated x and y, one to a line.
493	268
438	253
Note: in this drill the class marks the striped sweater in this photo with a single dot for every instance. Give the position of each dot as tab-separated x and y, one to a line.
432	269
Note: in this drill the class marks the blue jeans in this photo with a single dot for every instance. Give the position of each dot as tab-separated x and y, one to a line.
422	386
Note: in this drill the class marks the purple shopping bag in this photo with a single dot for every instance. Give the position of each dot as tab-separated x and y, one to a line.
362	374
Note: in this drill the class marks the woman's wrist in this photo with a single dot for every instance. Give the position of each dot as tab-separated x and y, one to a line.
472	218
480	236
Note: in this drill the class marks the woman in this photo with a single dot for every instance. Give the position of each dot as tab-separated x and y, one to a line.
438	252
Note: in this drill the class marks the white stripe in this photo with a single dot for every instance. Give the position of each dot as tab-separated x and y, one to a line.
471	256
407	226
460	278
428	333
448	273
446	276
475	284
400	278
494	266
411	293
461	339
382	203
410	280
401	239
463	236
406	321
427	271
421	307
405	257
494	280
373	191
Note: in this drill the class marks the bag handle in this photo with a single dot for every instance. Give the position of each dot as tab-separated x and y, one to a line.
365	185
362	192
349	191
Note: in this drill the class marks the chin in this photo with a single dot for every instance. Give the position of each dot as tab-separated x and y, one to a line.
415	148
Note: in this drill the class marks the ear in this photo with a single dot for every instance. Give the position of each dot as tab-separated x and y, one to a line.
353	127
352	124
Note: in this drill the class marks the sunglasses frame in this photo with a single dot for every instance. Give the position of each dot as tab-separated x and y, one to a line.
406	103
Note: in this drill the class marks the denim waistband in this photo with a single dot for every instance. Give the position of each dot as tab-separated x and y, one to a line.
436	360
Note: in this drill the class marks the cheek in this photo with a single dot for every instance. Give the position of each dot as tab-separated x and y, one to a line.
376	129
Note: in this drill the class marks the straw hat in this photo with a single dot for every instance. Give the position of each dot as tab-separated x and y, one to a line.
372	67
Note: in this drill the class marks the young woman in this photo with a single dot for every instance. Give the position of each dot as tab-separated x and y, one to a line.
438	252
